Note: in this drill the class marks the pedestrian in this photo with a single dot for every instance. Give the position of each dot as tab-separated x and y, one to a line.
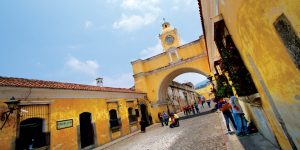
189	109
150	119
173	120
225	108
238	116
166	118
143	125
160	117
208	103
196	107
184	110
193	110
203	101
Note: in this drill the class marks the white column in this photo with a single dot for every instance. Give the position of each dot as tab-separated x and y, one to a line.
170	56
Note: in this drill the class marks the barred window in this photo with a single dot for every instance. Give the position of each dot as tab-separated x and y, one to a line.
289	38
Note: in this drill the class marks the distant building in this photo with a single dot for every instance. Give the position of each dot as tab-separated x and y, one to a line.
180	95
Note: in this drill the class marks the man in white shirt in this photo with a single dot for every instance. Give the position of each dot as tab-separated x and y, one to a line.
238	116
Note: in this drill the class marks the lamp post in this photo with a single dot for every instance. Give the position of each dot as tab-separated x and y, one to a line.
12	105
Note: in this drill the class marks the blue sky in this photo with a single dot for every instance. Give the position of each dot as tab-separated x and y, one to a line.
77	41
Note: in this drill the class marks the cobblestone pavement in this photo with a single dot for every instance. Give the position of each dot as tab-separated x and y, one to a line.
201	132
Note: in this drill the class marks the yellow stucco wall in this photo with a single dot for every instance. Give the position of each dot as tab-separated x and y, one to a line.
250	23
206	92
8	133
62	109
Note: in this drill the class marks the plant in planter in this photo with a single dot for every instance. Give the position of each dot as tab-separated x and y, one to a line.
223	87
238	73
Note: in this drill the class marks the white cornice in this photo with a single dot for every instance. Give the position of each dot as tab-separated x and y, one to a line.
41	93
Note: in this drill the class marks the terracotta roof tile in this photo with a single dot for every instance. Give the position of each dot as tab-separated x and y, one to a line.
31	83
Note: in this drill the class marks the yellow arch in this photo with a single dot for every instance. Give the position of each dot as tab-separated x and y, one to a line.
153	75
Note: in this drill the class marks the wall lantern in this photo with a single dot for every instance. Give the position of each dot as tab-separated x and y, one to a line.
12	105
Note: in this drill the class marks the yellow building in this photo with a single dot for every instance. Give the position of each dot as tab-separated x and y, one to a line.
265	37
153	75
54	114
206	92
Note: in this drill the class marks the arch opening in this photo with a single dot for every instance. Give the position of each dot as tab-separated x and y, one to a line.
175	99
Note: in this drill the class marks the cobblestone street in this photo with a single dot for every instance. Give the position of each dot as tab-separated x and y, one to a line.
206	132
202	132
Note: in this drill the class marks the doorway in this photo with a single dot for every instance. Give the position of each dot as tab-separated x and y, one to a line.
86	129
144	113
31	134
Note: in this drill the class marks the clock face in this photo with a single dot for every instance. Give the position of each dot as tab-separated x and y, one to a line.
169	39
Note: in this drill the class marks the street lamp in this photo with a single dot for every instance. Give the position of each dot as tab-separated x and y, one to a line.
12	105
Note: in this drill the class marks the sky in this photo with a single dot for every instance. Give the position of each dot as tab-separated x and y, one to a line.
78	41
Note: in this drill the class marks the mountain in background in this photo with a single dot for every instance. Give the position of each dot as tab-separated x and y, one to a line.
202	84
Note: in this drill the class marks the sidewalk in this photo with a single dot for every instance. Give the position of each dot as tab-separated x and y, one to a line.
250	142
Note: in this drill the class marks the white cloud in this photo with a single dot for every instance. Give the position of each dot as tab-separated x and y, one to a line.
190	77
151	51
142	5
111	1
124	80
137	13
133	22
88	67
88	24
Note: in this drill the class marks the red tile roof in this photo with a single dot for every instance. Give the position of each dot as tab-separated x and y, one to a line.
30	83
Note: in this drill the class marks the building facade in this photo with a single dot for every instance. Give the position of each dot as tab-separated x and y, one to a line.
57	115
180	95
261	39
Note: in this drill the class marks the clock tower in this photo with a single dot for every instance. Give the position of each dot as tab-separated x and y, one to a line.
169	37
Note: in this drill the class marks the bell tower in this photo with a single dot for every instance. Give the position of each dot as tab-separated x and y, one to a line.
169	37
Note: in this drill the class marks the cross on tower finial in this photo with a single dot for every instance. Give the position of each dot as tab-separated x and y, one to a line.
164	19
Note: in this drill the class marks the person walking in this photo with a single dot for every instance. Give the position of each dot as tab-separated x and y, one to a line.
184	110
238	116
196	107
203	101
225	108
193	110
166	118
160	117
208	103
143	125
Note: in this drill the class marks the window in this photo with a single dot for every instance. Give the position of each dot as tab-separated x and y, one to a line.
289	38
131	116
114	121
